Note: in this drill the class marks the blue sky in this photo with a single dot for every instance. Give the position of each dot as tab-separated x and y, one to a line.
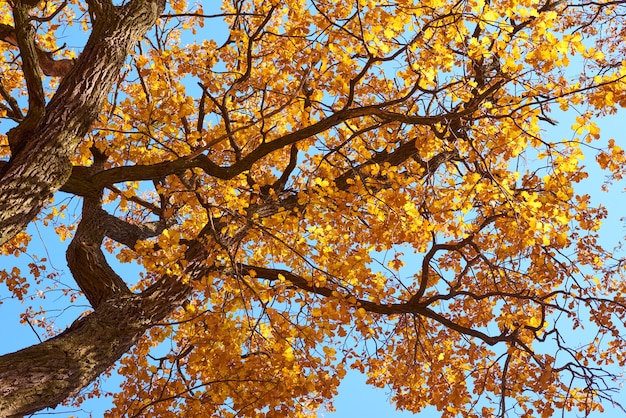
355	398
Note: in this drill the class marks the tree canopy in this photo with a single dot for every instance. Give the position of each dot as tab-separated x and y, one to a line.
310	187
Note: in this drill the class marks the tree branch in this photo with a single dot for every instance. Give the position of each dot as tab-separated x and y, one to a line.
70	361
90	269
28	177
382	308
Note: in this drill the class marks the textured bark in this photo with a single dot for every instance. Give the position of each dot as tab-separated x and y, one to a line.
39	165
86	261
45	374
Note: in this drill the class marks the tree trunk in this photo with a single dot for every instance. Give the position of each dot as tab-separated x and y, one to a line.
39	165
45	374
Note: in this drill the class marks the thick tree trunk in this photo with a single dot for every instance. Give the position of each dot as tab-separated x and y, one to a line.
45	374
40	164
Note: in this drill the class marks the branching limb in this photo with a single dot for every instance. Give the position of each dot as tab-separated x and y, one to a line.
377	308
86	261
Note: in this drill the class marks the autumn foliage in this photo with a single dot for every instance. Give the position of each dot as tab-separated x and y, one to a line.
315	186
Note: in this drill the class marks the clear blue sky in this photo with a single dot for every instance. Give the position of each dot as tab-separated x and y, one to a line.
355	398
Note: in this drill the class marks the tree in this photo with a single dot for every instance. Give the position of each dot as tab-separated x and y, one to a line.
277	186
